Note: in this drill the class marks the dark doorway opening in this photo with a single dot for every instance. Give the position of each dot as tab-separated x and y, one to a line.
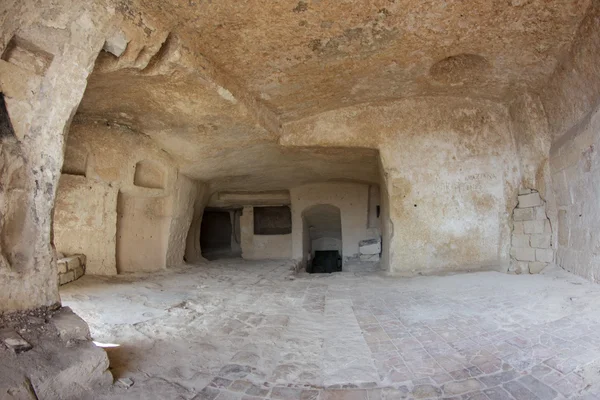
216	233
322	238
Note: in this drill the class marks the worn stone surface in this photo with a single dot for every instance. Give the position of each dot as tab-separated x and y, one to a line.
13	341
430	222
61	56
465	134
241	328
53	367
70	326
70	268
357	43
572	102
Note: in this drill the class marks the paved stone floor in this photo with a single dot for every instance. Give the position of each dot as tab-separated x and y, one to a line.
233	329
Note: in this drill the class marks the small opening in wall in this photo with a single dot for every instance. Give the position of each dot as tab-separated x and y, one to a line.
378	211
6	128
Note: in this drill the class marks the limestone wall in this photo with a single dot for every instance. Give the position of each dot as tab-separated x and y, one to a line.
43	77
572	105
450	173
351	198
142	232
182	213
146	224
85	222
262	247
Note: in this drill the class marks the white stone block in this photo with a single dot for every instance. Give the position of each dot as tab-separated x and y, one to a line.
530	200
73	263
540	241
540	212
520	240
518	227
62	266
369	257
523	214
544	255
536	267
521	268
536	226
523	254
116	44
370	249
371	246
524	191
547	227
63	279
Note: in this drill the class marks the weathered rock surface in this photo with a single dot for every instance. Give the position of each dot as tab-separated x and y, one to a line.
60	361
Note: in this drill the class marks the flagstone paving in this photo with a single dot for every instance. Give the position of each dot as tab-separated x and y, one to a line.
234	329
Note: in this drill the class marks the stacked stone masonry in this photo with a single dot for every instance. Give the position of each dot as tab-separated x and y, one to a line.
370	249
531	241
70	268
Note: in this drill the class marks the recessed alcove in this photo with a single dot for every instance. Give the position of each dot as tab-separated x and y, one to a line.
149	174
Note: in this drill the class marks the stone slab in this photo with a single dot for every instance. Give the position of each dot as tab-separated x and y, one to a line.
523	254
544	255
530	200
524	214
70	326
535	227
374	248
116	44
14	341
536	267
540	241
520	240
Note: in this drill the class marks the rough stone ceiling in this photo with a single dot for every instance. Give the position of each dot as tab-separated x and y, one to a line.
303	57
221	77
214	138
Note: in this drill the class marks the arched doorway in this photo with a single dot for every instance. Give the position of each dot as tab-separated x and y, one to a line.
322	238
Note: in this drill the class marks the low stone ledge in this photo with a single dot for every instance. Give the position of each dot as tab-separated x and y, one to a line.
71	268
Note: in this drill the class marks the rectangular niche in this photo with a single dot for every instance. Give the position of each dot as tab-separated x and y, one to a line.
27	56
149	174
272	220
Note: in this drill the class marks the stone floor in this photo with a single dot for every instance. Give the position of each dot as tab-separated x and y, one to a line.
233	329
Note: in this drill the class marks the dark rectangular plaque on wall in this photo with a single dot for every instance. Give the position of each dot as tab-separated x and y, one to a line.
272	220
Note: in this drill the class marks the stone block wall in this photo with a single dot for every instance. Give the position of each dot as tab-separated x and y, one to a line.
70	268
531	241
